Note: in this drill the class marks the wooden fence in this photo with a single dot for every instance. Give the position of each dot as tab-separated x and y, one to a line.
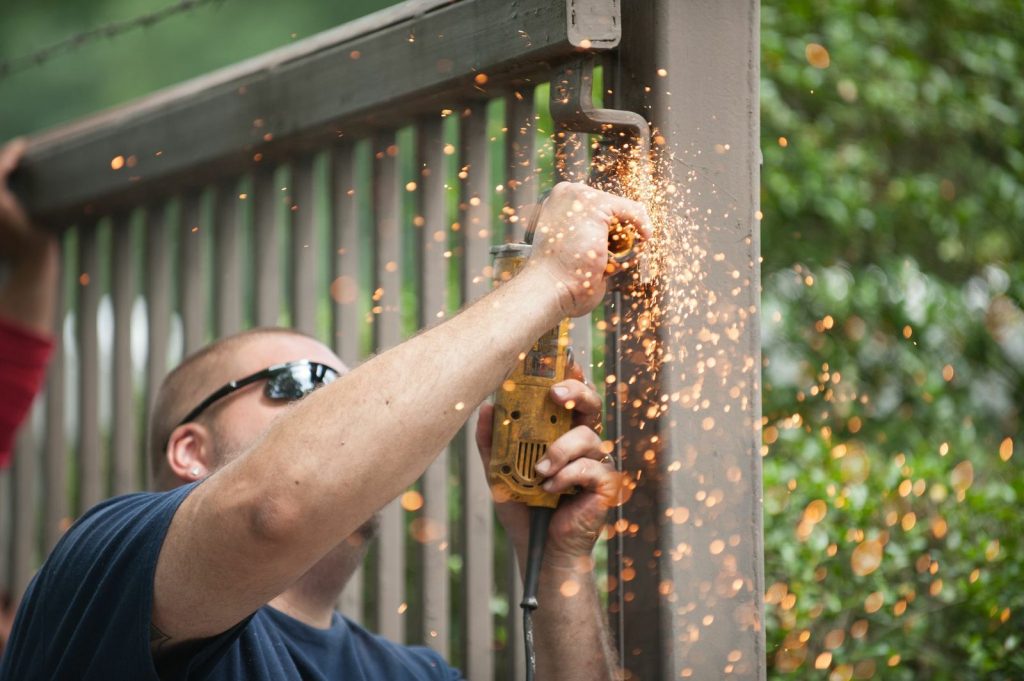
350	185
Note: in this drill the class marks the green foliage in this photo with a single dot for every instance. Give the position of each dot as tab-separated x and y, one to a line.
105	72
893	338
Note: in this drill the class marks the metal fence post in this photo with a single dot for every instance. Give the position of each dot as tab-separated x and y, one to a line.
692	565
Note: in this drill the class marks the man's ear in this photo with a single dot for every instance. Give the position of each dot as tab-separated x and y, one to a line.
190	452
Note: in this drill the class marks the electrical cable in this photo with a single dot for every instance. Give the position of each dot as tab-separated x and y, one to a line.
540	519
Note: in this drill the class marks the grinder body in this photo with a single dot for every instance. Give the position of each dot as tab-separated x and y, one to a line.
526	419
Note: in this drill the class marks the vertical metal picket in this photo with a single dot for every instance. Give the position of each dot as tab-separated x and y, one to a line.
303	245
346	294
158	305
388	333
432	233
55	455
477	514
89	471
266	247
125	445
191	273
227	269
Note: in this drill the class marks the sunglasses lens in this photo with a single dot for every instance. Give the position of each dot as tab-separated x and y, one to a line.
296	382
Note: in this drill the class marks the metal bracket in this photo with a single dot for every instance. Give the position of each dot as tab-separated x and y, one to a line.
573	110
594	24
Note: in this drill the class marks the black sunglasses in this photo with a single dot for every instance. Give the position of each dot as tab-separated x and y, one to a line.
285	383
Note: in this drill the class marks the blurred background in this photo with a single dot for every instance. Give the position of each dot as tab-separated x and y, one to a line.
893	330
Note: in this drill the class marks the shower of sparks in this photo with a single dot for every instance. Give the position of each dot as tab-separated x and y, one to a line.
681	332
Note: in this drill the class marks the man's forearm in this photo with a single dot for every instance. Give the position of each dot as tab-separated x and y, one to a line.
571	635
28	291
359	442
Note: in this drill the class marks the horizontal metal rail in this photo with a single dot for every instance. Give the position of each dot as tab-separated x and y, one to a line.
302	97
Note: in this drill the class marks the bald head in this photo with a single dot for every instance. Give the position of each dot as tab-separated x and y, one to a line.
208	369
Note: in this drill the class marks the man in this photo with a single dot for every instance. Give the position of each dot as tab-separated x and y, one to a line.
233	572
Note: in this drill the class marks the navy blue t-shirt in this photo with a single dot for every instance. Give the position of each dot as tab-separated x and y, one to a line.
86	615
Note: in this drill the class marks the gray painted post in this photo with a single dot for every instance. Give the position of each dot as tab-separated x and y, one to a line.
694	607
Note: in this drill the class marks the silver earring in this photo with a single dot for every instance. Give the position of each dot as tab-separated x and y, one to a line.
195	472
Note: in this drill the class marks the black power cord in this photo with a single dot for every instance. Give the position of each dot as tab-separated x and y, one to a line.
540	518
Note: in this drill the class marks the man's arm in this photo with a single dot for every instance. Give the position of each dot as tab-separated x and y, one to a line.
28	291
262	521
29	273
572	640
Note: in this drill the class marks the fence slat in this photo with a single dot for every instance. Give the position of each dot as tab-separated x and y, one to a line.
125	451
191	273
90	488
26	497
227	270
303	212
303	245
266	247
572	164
388	333
520	154
432	237
6	514
55	509
158	305
477	515
345	293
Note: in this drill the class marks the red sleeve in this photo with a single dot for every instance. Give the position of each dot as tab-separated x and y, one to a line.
23	357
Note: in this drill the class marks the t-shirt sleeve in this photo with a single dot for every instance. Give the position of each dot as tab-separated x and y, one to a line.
87	613
23	357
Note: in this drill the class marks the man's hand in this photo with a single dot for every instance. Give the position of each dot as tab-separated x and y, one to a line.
571	629
571	241
17	238
31	257
577	459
